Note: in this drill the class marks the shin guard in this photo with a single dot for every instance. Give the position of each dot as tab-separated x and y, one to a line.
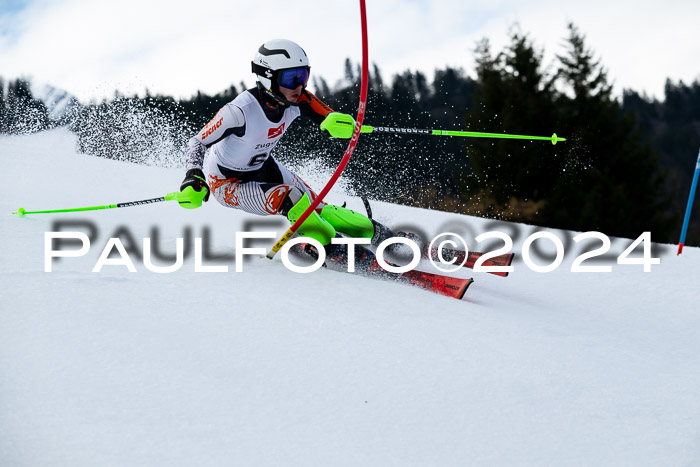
351	223
314	226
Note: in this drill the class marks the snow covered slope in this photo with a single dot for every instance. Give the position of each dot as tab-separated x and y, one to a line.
267	367
58	102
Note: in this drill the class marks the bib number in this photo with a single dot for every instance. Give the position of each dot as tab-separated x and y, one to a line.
257	160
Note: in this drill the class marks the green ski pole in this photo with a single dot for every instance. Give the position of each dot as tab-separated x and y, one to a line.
21	212
468	134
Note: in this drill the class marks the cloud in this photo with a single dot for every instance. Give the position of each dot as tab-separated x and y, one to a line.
178	47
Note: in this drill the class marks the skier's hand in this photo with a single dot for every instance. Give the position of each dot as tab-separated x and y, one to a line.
194	189
338	125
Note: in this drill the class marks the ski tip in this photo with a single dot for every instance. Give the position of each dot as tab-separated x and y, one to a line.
20	212
464	289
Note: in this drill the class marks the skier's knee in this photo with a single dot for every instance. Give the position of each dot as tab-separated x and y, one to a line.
292	197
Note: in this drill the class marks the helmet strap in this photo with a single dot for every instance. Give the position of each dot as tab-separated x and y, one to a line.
277	97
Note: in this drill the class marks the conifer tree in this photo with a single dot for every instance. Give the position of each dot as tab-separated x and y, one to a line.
512	95
612	181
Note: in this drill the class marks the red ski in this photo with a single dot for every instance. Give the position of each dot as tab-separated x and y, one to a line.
445	285
367	265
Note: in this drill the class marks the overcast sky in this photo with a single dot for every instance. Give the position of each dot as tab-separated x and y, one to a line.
176	47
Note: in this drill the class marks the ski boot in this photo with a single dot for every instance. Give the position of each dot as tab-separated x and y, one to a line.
395	252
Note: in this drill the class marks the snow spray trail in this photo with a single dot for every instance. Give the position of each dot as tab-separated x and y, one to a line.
133	130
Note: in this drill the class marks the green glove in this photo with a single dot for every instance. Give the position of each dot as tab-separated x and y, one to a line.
338	125
194	190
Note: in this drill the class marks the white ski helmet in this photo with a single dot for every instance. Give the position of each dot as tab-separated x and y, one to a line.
273	58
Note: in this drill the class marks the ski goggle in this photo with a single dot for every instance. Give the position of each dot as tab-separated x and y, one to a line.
294	77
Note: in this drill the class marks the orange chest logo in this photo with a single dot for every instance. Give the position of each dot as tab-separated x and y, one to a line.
275	132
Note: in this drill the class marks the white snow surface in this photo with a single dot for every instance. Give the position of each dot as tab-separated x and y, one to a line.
267	367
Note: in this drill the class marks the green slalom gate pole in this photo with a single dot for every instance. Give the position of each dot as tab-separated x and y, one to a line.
21	212
468	134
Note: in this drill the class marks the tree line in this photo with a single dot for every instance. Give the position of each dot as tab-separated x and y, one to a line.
625	168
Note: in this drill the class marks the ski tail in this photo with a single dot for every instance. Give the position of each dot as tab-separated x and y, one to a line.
469	260
501	260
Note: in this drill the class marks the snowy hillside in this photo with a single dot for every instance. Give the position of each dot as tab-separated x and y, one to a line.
58	102
267	367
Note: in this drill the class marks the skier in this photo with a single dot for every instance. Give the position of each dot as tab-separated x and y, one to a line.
242	172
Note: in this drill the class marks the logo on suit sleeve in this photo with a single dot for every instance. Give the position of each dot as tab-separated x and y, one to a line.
275	132
211	127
